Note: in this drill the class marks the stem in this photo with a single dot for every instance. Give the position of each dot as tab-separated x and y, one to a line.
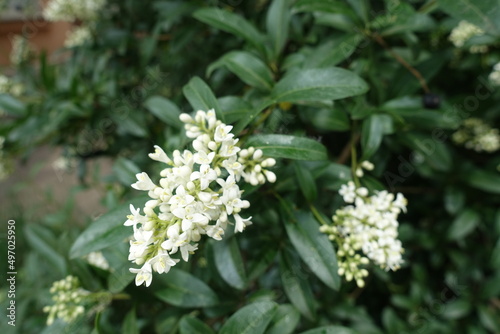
120	296
346	151
380	40
317	215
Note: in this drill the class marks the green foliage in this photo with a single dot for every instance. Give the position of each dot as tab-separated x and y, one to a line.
319	85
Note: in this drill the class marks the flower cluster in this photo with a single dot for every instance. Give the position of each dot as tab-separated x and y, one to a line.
73	10
476	135
465	31
366	230
69	300
20	50
494	76
197	195
367	165
78	36
8	86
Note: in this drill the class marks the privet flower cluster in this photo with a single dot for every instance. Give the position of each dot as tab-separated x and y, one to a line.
476	135
366	230
69	300
20	50
8	86
73	10
494	76
78	36
465	31
97	260
197	194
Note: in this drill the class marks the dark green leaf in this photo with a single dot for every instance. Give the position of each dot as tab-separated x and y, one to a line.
483	180
185	290
41	239
434	152
332	52
11	105
290	147
374	129
106	231
165	110
277	24
229	263
463	225
296	284
284	321
130	323
231	23
234	108
314	247
329	119
201	97
330	330
249	69
317	85
483	13
192	325
251	319
125	171
306	182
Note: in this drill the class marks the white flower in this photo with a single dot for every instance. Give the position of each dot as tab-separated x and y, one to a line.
160	155
143	182
144	275
135	217
205	175
223	133
161	263
348	192
241	223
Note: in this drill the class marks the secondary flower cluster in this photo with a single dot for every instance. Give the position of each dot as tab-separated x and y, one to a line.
197	195
8	86
73	10
20	50
464	32
78	36
478	136
366	230
494	76
69	299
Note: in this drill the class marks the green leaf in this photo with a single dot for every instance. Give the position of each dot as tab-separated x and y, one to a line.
129	325
106	231
330	330
314	248
326	6
332	52
192	325
42	240
435	152
165	110
483	13
185	290
251	319
464	224
290	147
277	24
296	284
374	129
456	309
234	108
284	321
201	97
306	182
125	170
229	263
250	69
317	85
11	105
231	23
329	119
483	180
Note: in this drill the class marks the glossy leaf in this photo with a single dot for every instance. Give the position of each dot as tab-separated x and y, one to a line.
314	247
306	182
229	263
285	320
201	97
330	330
290	147
185	290
296	284
483	13
192	325
317	85
231	23
277	24
165	110
105	231
234	108
374	129
251	319
463	225
249	68
483	180
129	325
